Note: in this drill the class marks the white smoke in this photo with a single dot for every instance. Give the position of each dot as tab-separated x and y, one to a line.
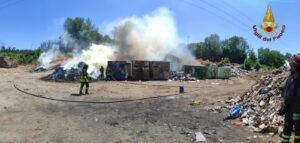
56	48
69	44
50	55
151	37
96	56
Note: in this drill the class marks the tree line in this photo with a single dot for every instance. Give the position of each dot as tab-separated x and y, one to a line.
23	57
236	50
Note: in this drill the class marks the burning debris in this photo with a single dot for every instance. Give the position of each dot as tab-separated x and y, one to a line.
60	74
261	104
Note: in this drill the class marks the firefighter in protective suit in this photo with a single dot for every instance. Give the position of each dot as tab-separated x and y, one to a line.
84	80
102	72
291	107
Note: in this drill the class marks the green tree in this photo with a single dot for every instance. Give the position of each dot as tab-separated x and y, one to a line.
197	49
270	58
82	30
2	48
288	56
257	66
247	64
235	48
212	48
226	60
252	56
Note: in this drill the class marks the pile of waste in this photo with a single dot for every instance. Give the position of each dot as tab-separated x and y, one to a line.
181	76
7	62
236	71
39	69
61	74
258	108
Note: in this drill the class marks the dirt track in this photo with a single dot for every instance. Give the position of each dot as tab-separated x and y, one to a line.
24	118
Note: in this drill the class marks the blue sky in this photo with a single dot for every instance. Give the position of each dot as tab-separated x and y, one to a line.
26	23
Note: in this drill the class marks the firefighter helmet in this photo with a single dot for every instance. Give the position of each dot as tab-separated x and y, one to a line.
86	66
295	60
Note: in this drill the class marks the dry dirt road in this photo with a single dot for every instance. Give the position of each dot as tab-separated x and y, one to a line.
28	119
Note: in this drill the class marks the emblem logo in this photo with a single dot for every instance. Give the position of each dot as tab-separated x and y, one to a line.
268	28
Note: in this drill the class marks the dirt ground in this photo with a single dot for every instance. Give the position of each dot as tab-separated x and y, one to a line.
28	119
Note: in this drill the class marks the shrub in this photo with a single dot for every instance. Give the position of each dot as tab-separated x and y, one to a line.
247	65
257	66
226	60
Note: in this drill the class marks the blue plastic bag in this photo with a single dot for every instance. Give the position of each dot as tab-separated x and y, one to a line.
264	90
236	110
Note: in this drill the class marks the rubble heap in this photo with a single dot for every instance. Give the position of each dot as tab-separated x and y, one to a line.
7	62
39	69
260	105
236	71
60	74
181	76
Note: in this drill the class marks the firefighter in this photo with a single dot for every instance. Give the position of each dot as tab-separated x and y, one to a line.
84	80
291	106
102	72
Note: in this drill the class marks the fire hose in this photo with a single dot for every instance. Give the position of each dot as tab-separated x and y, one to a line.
104	102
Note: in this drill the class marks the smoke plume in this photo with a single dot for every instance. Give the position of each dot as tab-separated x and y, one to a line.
96	56
150	37
47	57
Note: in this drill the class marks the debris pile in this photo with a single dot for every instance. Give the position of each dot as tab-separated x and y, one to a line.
236	71
60	74
39	69
181	76
260	105
7	62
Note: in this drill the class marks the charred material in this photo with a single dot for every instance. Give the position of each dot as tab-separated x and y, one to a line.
60	74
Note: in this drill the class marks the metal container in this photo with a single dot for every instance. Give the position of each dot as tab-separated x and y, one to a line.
223	73
118	70
212	72
199	72
140	70
159	70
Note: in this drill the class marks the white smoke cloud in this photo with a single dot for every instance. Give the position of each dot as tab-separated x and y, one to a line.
56	48
96	56
150	37
50	55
